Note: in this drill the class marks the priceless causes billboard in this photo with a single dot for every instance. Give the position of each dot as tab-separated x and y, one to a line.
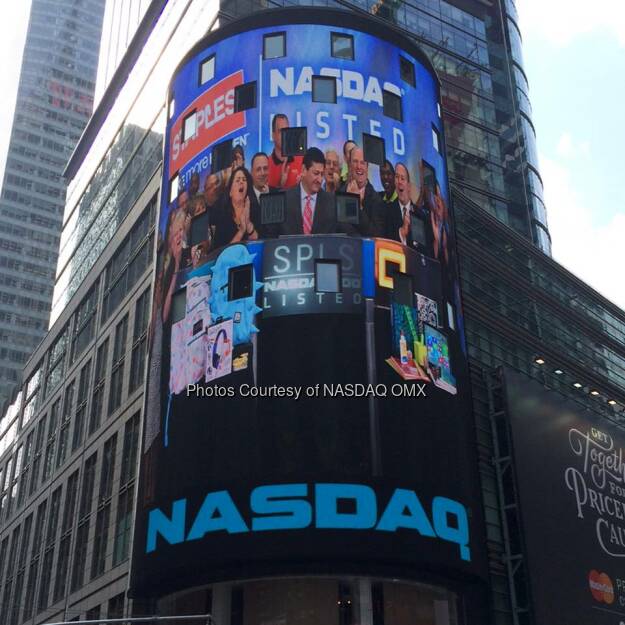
262	384
570	470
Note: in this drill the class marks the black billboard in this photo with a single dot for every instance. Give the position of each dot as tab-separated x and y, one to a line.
570	473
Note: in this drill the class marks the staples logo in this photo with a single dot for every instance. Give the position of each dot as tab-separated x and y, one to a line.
215	118
601	587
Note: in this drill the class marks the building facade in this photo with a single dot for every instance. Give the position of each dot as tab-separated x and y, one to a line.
54	103
70	442
121	21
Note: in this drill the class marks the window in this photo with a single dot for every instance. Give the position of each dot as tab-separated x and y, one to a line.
99	543
80	556
117	368
274	46
324	89
67	524
392	105
21	569
21	563
240	282
68	409
70	502
84	516
87	487
173	187
294	141
30	590
373	148
48	462
131	259
44	581
207	69
245	96
406	70
10	570
93	614
84	322
139	341
436	140
34	561
129	453
221	156
342	46
31	402
81	408
56	362
48	557
107	471
123	526
98	384
189	126
123	522
327	276
34	478
53	517
108	468
116	606
62	567
4	546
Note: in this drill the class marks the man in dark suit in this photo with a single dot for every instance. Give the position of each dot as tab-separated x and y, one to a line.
408	221
260	185
309	209
371	219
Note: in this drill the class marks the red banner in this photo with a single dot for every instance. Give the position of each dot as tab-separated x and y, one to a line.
215	118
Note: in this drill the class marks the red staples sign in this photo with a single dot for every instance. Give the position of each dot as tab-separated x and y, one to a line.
215	118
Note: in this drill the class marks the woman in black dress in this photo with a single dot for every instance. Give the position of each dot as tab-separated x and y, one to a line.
233	221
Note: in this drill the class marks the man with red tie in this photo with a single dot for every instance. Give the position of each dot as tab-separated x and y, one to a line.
310	209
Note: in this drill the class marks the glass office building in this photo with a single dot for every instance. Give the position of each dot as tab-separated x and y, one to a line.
54	103
70	442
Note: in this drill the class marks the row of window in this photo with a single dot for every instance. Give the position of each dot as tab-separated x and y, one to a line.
87	234
24	267
551	283
84	332
127	266
35	576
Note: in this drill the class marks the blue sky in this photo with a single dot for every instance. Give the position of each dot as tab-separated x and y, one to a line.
575	62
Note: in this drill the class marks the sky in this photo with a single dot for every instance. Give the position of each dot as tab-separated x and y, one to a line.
575	63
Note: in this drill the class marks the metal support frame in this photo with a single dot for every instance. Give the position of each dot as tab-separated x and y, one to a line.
514	559
374	420
141	619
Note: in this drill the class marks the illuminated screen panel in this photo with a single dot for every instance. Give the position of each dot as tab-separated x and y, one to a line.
266	385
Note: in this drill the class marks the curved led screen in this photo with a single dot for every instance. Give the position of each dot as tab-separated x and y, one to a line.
307	403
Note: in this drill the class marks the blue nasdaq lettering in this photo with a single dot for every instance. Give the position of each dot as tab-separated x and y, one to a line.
336	506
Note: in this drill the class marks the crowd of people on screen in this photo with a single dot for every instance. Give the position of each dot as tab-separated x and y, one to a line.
406	210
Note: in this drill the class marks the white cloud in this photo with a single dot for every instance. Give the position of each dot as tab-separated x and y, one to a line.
567	147
593	251
561	21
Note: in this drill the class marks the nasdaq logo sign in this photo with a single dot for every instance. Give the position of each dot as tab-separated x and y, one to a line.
324	506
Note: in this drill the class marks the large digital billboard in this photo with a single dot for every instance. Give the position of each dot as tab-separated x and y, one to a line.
571	479
307	404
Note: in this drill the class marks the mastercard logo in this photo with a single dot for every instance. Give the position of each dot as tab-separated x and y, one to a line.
601	587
